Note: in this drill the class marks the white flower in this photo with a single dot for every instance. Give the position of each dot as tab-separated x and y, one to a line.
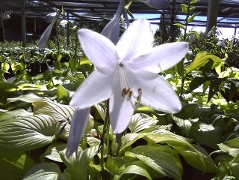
126	74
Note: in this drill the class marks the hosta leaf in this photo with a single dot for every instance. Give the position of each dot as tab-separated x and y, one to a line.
201	59
62	93
57	111
205	134
46	171
144	109
77	165
192	158
184	124
101	111
135	169
27	133
129	139
234	166
184	148
29	98
140	122
154	157
8	87
112	166
14	165
231	147
6	116
53	151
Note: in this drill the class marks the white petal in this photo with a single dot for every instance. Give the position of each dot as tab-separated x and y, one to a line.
120	110
161	57
111	30
156	92
99	49
157	4
137	39
96	88
78	126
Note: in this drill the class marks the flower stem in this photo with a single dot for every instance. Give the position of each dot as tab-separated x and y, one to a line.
105	134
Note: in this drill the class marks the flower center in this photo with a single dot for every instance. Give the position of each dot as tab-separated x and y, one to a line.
126	90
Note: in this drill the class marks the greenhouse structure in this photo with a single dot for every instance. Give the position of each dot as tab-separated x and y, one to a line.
119	89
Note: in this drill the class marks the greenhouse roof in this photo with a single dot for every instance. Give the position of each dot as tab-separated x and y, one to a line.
98	10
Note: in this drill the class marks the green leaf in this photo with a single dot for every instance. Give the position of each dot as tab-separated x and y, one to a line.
59	112
85	61
193	1
47	171
5	67
234	166
181	145
135	169
78	166
6	116
201	59
144	109
112	166
185	8
140	122
214	87
62	93
28	98
53	151
73	63
7	87
101	111
27	133
195	83
231	147
14	165
205	134
179	25
192	158
129	139
184	124
191	18
154	157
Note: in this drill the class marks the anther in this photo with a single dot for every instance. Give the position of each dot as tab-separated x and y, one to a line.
121	65
140	94
129	95
124	92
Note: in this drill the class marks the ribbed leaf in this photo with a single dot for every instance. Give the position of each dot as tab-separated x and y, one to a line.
46	171
154	157
135	169
77	165
57	111
196	157
29	98
27	133
140	122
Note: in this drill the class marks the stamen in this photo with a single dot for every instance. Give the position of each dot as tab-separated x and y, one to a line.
129	95
138	98
132	97
124	92
140	94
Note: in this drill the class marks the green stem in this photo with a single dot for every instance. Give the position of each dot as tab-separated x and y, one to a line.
184	38
105	134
